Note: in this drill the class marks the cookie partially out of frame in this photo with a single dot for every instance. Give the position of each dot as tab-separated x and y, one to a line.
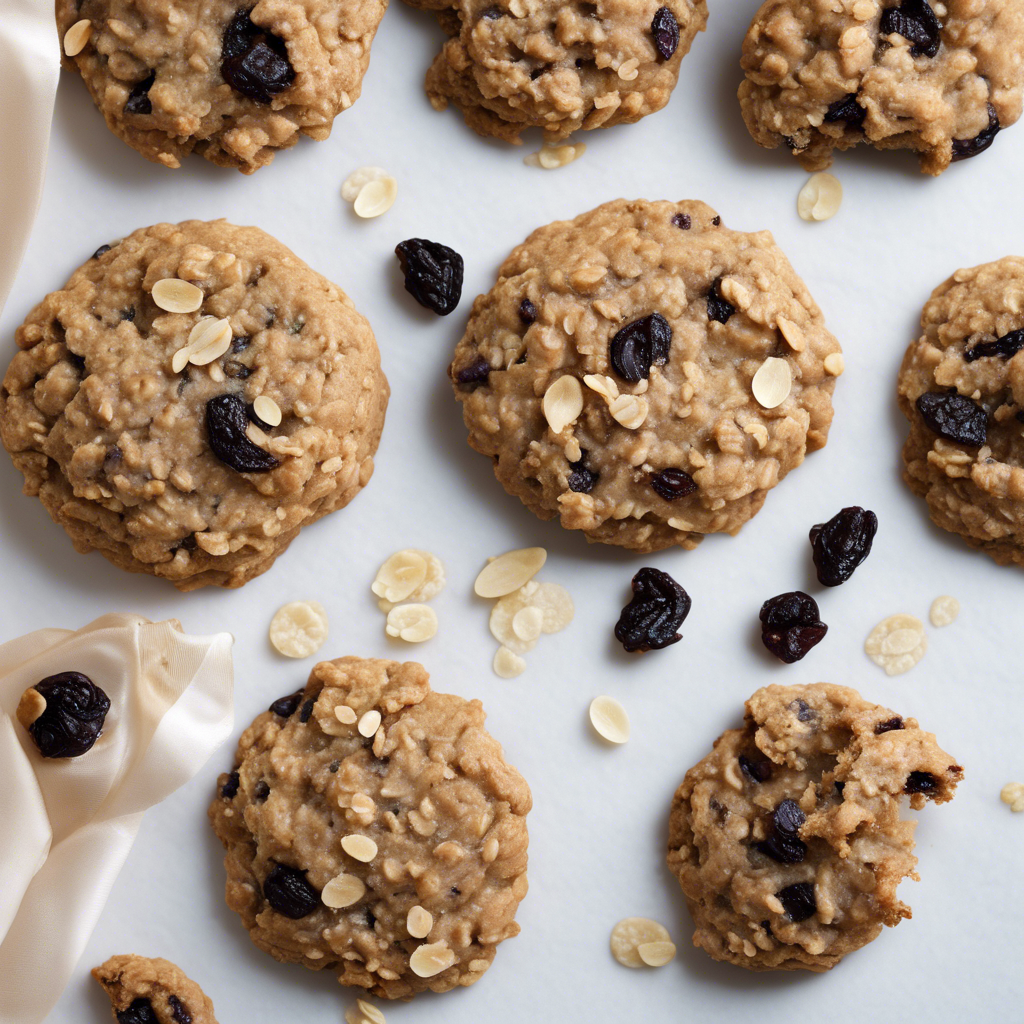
152	991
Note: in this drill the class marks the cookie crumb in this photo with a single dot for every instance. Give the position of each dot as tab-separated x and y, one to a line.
944	611
431	959
376	197
419	922
508	665
631	933
77	37
820	198
299	629
897	644
358	180
562	403
413	623
1013	794
553	157
609	719
656	954
509	572
342	891
176	296
772	383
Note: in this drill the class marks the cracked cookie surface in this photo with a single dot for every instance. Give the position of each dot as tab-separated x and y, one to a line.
660	304
126	453
153	990
961	387
787	838
440	816
559	66
939	79
231	80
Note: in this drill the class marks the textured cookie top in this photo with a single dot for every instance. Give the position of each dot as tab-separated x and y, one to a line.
404	850
941	79
152	991
961	387
586	300
230	80
559	66
787	838
128	450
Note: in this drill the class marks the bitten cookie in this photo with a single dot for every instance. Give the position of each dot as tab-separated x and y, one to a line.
141	429
559	66
374	829
646	374
152	991
961	386
787	838
940	79
233	81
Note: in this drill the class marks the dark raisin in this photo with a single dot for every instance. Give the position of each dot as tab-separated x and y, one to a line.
527	312
254	62
433	273
179	1011
288	891
767	926
718	308
717	221
128	314
475	374
307	711
138	101
671	484
640	345
783	843
581	480
333	767
756	771
456	891
138	1011
492	14
1005	347
226	422
652	618
683	220
188	542
889	725
665	30
804	712
285	707
791	626
113	458
841	544
916	22
236	370
964	149
954	417
260	792
921	782
72	720
230	788
798	901
847	109
100	251
371	919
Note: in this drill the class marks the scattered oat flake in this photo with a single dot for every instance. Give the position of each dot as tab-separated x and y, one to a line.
550	599
342	891
431	959
360	177
412	623
897	644
369	723
553	157
508	665
772	383
610	720
944	610
631	933
400	576
508	572
527	623
176	296
364	1013
299	629
656	954
376	197
820	198
433	582
77	37
1013	794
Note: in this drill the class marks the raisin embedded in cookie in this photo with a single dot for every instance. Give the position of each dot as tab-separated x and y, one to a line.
152	991
146	446
559	66
232	80
940	79
610	373
961	387
374	829
787	838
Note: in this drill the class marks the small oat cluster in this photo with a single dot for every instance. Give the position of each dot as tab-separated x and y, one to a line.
553	157
523	609
641	942
403	583
299	629
899	642
371	191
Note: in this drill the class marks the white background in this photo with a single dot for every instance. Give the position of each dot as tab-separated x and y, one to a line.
599	823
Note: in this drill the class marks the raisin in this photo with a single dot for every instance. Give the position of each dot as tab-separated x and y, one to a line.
671	484
804	712
72	720
237	370
333	767
783	843
665	30
756	771
889	725
790	625
138	101
285	707
433	273
527	312
640	345
179	1011
260	792
288	892
847	109
916	22
188	542
841	544
652	618
230	788
1006	347
254	61
476	373
226	422
581	480
717	221
954	417
683	220
100	251
128	314
307	711
921	782
718	308
455	891
112	458
964	149
138	1011
798	901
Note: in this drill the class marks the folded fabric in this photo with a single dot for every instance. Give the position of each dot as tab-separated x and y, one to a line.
70	822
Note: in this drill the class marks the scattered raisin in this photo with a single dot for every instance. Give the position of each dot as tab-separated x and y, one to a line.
841	544
916	22
288	892
652	618
138	101
783	843
254	61
230	788
1006	347
954	417
100	251
718	308
798	901
307	711
683	220
226	422
964	149
260	792
433	273
138	1011
921	782
671	484
476	373
790	625
756	771
640	345
665	30
285	707
72	720
527	312
889	725
847	109
179	1011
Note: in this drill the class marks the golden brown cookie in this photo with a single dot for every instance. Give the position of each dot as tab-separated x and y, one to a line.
152	991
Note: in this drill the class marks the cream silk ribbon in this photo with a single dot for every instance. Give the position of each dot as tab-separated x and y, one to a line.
67	825
29	68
